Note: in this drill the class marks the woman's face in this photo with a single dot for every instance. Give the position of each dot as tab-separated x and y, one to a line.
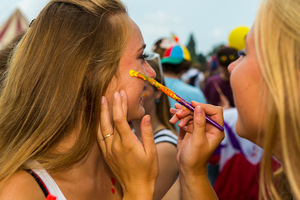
131	59
245	82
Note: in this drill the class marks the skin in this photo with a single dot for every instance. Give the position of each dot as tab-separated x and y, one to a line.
132	59
91	178
245	82
197	141
166	151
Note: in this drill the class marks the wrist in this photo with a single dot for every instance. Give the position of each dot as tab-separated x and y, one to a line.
139	191
194	186
193	172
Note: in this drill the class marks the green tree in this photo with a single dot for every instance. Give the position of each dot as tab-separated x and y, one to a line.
191	46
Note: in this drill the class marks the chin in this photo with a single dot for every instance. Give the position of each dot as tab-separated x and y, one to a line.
238	130
137	114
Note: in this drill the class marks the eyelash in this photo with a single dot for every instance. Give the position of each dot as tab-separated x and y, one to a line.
144	56
242	53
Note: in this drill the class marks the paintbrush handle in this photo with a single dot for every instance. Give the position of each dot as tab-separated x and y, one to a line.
191	108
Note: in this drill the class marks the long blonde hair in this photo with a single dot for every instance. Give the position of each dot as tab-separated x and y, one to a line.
277	41
55	80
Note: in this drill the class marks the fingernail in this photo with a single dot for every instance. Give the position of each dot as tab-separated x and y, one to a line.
102	99
146	119
198	110
122	93
116	95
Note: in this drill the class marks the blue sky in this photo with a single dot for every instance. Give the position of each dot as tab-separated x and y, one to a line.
210	21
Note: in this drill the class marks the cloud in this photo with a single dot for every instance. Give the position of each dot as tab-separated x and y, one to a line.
31	8
218	33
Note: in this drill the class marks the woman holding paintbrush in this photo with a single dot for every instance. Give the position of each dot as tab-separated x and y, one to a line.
265	81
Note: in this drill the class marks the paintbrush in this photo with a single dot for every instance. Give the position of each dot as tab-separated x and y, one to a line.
171	94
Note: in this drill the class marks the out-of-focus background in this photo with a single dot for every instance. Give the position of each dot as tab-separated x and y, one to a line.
207	24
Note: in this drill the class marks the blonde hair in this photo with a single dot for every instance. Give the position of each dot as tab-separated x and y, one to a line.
56	77
277	42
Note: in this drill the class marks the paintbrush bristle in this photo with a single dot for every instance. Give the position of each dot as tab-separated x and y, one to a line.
133	73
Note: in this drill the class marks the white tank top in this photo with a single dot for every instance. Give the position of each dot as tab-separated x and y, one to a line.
49	183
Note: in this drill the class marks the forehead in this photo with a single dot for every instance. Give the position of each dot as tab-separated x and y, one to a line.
135	42
249	38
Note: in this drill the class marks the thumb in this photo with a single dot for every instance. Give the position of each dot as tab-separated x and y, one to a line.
147	134
199	123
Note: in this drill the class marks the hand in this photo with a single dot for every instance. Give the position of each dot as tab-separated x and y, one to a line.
197	139
133	163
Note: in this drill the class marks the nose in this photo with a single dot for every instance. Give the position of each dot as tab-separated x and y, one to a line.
149	71
232	65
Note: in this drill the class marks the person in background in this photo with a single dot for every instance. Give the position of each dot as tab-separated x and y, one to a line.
194	76
71	65
157	105
176	62
217	87
162	44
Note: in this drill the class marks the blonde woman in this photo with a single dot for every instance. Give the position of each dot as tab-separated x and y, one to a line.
75	58
265	83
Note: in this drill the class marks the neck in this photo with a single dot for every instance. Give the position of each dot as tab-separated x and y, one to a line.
88	167
224	74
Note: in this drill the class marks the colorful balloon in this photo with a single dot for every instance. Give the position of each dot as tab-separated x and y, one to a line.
236	38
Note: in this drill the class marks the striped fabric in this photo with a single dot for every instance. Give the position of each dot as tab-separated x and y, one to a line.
165	135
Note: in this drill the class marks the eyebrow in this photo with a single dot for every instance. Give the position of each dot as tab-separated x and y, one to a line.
143	47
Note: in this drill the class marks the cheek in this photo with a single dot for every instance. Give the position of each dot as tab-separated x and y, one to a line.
135	104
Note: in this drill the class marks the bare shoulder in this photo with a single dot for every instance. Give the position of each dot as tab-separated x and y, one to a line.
166	148
22	186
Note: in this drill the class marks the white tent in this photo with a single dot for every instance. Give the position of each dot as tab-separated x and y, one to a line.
15	25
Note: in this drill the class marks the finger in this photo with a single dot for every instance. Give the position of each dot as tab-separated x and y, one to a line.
147	135
184	112
179	114
208	109
105	126
174	119
173	111
199	123
120	123
124	104
185	121
178	106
